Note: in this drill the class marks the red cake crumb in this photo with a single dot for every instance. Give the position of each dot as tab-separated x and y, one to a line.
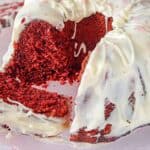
50	104
43	53
109	107
92	136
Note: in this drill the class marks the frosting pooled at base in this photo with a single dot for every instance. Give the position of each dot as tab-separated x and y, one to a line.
21	119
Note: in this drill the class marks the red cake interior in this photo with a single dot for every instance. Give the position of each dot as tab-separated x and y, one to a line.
8	12
43	54
50	104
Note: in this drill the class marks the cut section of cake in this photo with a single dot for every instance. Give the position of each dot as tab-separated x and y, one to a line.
48	44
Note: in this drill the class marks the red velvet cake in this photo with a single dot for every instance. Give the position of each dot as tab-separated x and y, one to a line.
90	42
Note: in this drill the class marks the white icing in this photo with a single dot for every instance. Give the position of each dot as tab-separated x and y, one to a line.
29	123
81	48
75	31
82	45
123	54
76	45
9	135
106	23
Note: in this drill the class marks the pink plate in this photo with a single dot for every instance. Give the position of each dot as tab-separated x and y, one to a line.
138	140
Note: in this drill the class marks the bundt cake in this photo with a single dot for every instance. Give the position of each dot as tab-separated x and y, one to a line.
103	45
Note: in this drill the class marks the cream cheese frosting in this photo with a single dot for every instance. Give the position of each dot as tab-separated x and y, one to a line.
118	68
22	119
123	54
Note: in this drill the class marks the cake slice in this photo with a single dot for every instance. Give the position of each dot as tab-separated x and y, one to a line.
45	47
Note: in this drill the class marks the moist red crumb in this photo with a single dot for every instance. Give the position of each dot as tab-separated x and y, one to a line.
43	53
109	107
49	104
92	136
106	130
